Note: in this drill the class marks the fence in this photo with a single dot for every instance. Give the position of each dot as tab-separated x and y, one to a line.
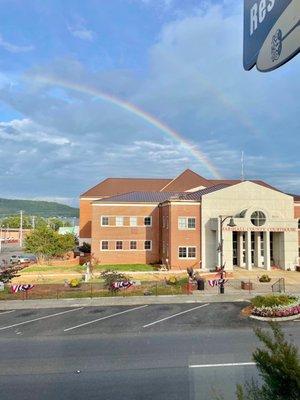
91	290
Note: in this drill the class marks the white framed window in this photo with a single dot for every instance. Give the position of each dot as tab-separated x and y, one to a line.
104	244
187	252
185	223
191	252
119	221
133	245
119	245
181	223
147	221
104	220
191	223
182	253
147	245
133	221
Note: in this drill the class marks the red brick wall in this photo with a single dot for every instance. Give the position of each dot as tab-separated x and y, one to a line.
184	237
125	233
85	218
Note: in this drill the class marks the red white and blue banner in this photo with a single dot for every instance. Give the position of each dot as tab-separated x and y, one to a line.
21	288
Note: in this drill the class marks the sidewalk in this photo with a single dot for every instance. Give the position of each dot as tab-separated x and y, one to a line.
196	297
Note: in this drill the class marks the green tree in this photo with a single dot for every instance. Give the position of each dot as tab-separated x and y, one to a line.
279	366
45	243
13	221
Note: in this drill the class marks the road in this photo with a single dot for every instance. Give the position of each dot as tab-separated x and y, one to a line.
178	351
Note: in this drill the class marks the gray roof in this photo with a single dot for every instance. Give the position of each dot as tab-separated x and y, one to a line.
160	197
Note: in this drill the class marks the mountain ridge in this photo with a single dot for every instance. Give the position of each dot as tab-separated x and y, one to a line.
36	207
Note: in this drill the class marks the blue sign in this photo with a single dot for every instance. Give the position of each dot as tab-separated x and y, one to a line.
260	16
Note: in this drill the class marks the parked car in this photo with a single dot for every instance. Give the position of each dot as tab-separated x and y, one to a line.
14	259
22	259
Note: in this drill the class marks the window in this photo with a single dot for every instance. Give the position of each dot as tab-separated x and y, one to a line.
119	245
148	221
133	221
192	252
182	252
147	245
104	221
258	218
133	245
167	222
164	221
186	223
181	223
104	245
191	223
187	252
119	221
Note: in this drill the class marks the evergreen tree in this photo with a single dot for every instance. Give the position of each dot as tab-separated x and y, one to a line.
279	366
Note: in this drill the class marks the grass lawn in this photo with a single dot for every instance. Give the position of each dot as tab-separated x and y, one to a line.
125	267
50	269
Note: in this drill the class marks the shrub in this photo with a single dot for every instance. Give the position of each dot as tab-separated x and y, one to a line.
264	278
273	300
74	283
172	280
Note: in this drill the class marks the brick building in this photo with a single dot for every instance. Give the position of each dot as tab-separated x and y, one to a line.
177	222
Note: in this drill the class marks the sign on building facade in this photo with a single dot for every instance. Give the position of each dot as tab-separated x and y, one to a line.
271	33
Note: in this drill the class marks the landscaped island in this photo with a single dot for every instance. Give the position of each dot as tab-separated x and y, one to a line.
275	306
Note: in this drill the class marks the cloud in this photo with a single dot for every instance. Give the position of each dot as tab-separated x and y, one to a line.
194	82
13	48
79	30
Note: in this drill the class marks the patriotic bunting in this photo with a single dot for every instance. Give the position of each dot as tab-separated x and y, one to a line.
217	282
122	285
21	288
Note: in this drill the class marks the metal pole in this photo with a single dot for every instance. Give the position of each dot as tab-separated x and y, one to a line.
21	228
222	288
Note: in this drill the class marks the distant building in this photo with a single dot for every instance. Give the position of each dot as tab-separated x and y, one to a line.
176	222
74	230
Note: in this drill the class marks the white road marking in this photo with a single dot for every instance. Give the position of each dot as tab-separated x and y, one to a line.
175	315
101	319
40	318
7	312
222	365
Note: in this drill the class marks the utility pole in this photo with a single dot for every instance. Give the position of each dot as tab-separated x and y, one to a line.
243	171
21	228
33	222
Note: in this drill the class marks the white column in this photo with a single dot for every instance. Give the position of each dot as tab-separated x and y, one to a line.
257	256
267	251
240	240
248	251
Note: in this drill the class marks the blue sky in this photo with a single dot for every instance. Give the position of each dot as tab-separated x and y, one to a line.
180	61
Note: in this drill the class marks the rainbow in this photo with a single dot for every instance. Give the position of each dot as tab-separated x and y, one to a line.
125	105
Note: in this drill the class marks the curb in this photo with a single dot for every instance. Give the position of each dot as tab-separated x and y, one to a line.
277	319
117	301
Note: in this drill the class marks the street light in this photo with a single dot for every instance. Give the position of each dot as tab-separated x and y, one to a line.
231	224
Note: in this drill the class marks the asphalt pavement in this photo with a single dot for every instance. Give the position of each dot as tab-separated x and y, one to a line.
172	351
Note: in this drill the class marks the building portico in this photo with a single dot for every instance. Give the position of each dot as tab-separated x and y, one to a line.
265	232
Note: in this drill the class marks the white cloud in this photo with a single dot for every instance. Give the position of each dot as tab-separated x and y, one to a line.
79	30
13	48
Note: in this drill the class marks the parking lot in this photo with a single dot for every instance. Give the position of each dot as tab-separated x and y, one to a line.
178	351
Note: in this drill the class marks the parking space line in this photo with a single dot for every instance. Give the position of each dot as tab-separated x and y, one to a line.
175	315
222	365
7	312
101	319
40	318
